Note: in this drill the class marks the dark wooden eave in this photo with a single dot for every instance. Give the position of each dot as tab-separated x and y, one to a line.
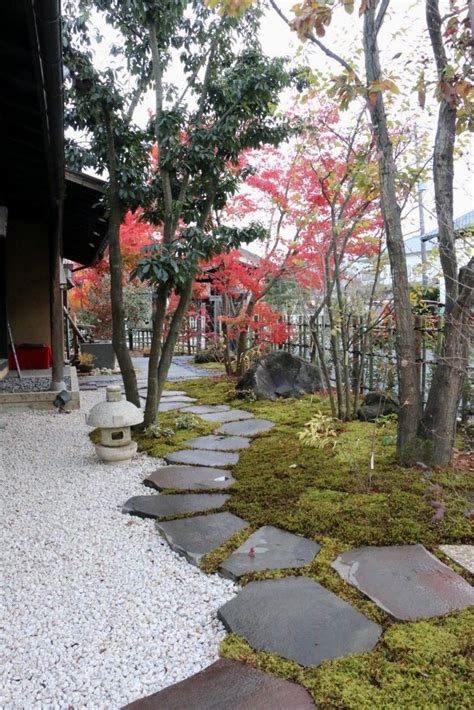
32	131
85	223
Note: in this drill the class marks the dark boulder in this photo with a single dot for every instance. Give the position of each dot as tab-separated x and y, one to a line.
280	374
377	404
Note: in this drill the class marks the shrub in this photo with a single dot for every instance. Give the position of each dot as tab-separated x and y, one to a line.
186	421
319	432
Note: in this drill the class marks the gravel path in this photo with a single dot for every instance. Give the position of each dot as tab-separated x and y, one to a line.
98	610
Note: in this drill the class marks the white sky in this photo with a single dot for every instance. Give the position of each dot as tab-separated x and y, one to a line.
404	32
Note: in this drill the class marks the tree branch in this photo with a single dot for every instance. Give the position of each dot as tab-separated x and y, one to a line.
310	36
381	15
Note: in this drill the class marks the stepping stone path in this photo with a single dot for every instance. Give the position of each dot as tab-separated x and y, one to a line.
294	617
168	406
270	548
247	428
179	399
233	415
195	457
228	685
406	581
205	409
298	619
195	537
219	443
462	554
168	506
190	478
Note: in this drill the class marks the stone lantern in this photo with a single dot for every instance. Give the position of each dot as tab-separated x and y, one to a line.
114	417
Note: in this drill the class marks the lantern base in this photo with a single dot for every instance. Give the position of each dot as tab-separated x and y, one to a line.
116	454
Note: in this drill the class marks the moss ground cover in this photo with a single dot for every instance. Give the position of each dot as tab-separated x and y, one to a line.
332	496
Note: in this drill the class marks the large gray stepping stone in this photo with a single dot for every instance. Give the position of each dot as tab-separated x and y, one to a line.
168	406
249	428
462	554
205	408
180	398
174	393
189	478
219	443
406	581
159	506
199	457
195	537
269	548
298	619
233	415
228	685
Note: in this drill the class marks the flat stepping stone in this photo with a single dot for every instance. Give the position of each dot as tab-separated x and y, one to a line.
407	581
195	537
199	457
205	408
228	685
159	506
174	393
189	478
168	406
219	443
462	554
180	398
269	548
249	428
232	415
298	619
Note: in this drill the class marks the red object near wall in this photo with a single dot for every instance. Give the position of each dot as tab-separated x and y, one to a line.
31	357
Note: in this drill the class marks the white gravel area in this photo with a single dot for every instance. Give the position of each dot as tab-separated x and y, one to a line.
97	610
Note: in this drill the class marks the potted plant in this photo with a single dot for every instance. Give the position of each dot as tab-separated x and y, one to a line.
86	363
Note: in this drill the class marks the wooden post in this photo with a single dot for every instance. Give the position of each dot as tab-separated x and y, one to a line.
418	338
57	331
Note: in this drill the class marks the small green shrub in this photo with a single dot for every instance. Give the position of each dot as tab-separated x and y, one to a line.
319	432
156	431
186	421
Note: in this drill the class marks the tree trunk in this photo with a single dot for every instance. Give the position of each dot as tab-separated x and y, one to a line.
171	338
119	334
152	399
410	400
438	426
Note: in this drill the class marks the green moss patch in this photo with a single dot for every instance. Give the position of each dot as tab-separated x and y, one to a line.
165	445
334	496
416	665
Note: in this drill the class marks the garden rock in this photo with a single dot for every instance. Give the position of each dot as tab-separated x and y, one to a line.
189	478
281	374
407	581
195	537
377	404
167	506
250	427
201	457
269	548
298	619
219	443
228	685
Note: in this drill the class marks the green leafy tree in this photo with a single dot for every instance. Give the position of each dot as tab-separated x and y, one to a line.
224	104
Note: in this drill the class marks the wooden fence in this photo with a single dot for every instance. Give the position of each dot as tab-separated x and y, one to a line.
372	349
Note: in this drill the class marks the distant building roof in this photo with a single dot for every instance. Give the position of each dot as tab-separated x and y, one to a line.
460	223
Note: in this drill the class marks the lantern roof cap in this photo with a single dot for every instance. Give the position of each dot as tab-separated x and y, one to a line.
115	412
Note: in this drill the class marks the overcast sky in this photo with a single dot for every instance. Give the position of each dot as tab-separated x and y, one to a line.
404	34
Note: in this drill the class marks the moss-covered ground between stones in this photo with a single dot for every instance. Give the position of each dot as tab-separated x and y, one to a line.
332	497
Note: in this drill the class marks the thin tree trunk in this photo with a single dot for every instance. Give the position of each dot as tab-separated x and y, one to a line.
152	399
410	400
119	334
438	426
